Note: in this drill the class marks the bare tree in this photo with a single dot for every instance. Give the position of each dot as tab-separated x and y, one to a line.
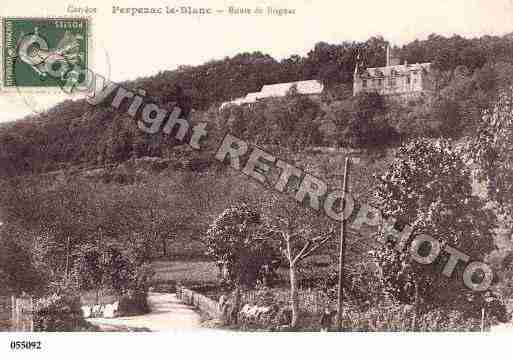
302	233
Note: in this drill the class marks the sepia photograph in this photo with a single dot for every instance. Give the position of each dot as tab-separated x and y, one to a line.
255	171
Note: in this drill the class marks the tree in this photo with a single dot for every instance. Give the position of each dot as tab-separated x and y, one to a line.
428	188
235	238
89	268
339	115
447	112
368	124
491	151
114	264
18	269
65	225
164	209
493	154
300	233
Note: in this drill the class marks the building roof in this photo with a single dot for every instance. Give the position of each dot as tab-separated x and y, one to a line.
237	101
309	87
396	70
252	96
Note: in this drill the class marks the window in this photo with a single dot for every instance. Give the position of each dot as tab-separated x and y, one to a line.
408	79
364	83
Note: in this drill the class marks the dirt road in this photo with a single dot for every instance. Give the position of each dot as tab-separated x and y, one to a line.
167	313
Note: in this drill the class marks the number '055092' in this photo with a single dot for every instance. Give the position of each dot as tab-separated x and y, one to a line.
23	345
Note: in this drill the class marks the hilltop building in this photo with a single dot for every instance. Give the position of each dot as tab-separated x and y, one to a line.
311	88
408	80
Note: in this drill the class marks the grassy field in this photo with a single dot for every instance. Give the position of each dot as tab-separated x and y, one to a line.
185	271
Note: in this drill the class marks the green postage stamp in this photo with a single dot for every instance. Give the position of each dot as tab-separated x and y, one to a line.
38	52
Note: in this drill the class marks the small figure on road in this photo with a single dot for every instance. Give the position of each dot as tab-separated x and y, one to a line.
326	320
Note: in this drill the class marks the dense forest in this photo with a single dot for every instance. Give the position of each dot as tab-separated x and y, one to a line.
468	73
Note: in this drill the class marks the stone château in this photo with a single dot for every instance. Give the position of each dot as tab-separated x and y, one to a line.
406	80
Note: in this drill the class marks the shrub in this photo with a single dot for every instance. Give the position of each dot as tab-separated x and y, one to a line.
134	302
447	320
389	317
59	313
117	267
363	122
264	310
397	317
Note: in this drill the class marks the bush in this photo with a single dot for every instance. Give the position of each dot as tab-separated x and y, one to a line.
363	122
115	267
265	310
59	313
397	317
375	132
379	318
134	302
447	320
19	269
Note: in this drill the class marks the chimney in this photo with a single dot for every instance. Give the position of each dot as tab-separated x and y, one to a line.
388	55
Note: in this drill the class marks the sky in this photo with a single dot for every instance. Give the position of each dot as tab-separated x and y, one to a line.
126	47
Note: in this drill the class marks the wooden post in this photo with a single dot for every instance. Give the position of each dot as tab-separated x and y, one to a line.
32	310
482	319
16	315
342	248
100	260
13	313
67	259
415	307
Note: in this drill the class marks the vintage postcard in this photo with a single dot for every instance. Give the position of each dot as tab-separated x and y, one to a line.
293	176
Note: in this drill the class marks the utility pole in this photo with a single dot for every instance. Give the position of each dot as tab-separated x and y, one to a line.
67	258
341	262
483	319
100	257
416	307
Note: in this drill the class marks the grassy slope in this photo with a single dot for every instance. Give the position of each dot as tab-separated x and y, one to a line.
185	271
